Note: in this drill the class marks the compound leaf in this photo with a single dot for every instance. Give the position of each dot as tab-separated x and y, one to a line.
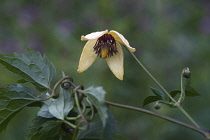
35	69
12	100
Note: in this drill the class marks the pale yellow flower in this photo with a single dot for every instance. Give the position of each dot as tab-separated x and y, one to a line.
105	45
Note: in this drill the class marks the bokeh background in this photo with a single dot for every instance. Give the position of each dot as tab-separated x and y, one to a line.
168	36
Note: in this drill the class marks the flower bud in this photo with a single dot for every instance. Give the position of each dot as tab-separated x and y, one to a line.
157	106
186	72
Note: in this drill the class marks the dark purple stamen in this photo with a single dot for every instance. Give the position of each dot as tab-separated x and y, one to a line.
107	41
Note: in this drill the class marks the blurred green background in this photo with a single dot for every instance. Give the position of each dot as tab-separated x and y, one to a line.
168	36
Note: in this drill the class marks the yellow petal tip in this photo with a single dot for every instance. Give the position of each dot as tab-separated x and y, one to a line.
133	50
79	71
83	37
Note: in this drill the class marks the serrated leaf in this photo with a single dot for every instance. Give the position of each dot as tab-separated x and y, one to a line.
93	132
12	100
45	129
51	130
159	93
110	130
151	99
44	64
61	106
97	131
36	69
34	128
96	96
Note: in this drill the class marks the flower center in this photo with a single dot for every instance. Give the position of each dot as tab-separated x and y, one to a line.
105	46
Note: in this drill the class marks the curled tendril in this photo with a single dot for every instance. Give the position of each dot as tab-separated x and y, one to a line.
67	82
67	78
92	109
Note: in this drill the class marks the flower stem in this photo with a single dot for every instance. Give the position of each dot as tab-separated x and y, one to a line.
206	133
187	115
164	90
153	78
182	95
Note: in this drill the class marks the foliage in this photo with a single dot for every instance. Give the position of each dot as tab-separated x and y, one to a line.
60	114
13	99
161	97
168	35
35	69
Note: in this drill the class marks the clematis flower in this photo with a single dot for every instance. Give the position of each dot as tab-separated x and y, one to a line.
104	45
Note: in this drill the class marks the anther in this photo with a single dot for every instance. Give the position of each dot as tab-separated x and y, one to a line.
105	46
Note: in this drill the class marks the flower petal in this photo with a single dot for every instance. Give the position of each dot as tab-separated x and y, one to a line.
115	63
93	35
88	56
120	38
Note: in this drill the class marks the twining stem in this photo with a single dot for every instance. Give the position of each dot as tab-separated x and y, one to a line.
70	124
181	98
202	131
79	116
55	87
92	109
164	90
78	106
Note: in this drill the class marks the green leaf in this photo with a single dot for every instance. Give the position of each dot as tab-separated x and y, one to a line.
97	131
96	96
110	130
61	106
33	129
36	69
44	110
45	129
151	99
173	93
159	93
12	100
20	81
51	130
93	132
118	137
188	92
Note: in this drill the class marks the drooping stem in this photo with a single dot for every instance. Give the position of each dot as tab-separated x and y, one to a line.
204	132
153	78
164	90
